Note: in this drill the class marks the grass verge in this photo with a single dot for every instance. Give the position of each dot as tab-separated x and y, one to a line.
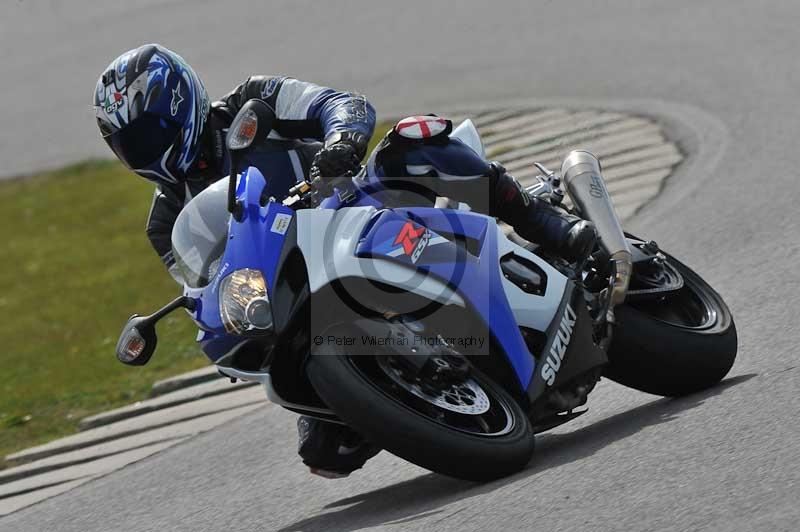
77	264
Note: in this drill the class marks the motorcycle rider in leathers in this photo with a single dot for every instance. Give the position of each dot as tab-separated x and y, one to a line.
154	113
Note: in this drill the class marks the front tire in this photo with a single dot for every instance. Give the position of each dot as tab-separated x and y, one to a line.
677	345
355	390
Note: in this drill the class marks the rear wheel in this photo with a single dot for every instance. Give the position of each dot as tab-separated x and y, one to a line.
675	344
470	429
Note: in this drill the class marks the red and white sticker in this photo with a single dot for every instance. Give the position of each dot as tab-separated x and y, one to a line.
420	127
413	239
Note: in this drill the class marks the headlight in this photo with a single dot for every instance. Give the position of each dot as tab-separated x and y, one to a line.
243	302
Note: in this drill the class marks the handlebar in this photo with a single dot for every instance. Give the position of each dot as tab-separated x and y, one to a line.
299	189
307	195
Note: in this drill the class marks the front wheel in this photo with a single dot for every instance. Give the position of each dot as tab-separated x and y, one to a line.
680	343
471	429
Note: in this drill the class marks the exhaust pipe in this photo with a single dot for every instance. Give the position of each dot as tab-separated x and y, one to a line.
585	185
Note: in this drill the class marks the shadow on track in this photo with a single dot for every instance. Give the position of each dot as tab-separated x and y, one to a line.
426	495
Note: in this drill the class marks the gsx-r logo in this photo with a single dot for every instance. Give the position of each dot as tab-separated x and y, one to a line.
559	347
413	239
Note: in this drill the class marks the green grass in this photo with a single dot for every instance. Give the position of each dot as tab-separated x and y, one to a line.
380	131
76	265
500	150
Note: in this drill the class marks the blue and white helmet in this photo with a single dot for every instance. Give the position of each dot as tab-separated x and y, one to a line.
151	108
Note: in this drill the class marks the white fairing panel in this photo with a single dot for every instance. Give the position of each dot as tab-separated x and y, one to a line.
467	133
328	240
536	312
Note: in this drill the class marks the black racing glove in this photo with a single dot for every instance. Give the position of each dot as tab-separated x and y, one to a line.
336	160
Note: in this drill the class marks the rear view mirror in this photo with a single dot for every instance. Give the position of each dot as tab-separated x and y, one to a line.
137	343
251	125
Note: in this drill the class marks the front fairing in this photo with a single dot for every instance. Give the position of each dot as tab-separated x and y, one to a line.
255	242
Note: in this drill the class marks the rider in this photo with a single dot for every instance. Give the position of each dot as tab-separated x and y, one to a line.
154	113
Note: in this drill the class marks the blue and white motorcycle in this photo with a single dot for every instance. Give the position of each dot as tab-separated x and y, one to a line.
431	331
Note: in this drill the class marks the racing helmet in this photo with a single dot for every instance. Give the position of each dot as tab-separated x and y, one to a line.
151	108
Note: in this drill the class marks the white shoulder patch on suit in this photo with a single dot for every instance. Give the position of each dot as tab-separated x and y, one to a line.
295	98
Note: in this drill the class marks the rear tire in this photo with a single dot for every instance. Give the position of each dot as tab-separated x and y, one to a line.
657	355
385	421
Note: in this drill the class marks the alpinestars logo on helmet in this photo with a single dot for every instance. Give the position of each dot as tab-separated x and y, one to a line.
559	347
176	100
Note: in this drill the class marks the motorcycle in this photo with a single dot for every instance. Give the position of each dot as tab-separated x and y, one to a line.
431	331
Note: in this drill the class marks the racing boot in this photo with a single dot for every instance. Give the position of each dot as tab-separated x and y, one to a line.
332	450
537	220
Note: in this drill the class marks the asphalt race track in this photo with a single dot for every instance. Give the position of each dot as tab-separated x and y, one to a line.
724	82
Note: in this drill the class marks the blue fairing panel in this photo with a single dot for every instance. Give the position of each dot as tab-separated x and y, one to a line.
419	237
459	248
254	242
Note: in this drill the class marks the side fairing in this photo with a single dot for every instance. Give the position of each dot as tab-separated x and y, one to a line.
446	256
329	241
534	311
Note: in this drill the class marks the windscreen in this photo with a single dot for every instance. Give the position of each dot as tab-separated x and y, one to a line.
200	233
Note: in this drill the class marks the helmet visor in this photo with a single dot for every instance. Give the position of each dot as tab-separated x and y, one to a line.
143	141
